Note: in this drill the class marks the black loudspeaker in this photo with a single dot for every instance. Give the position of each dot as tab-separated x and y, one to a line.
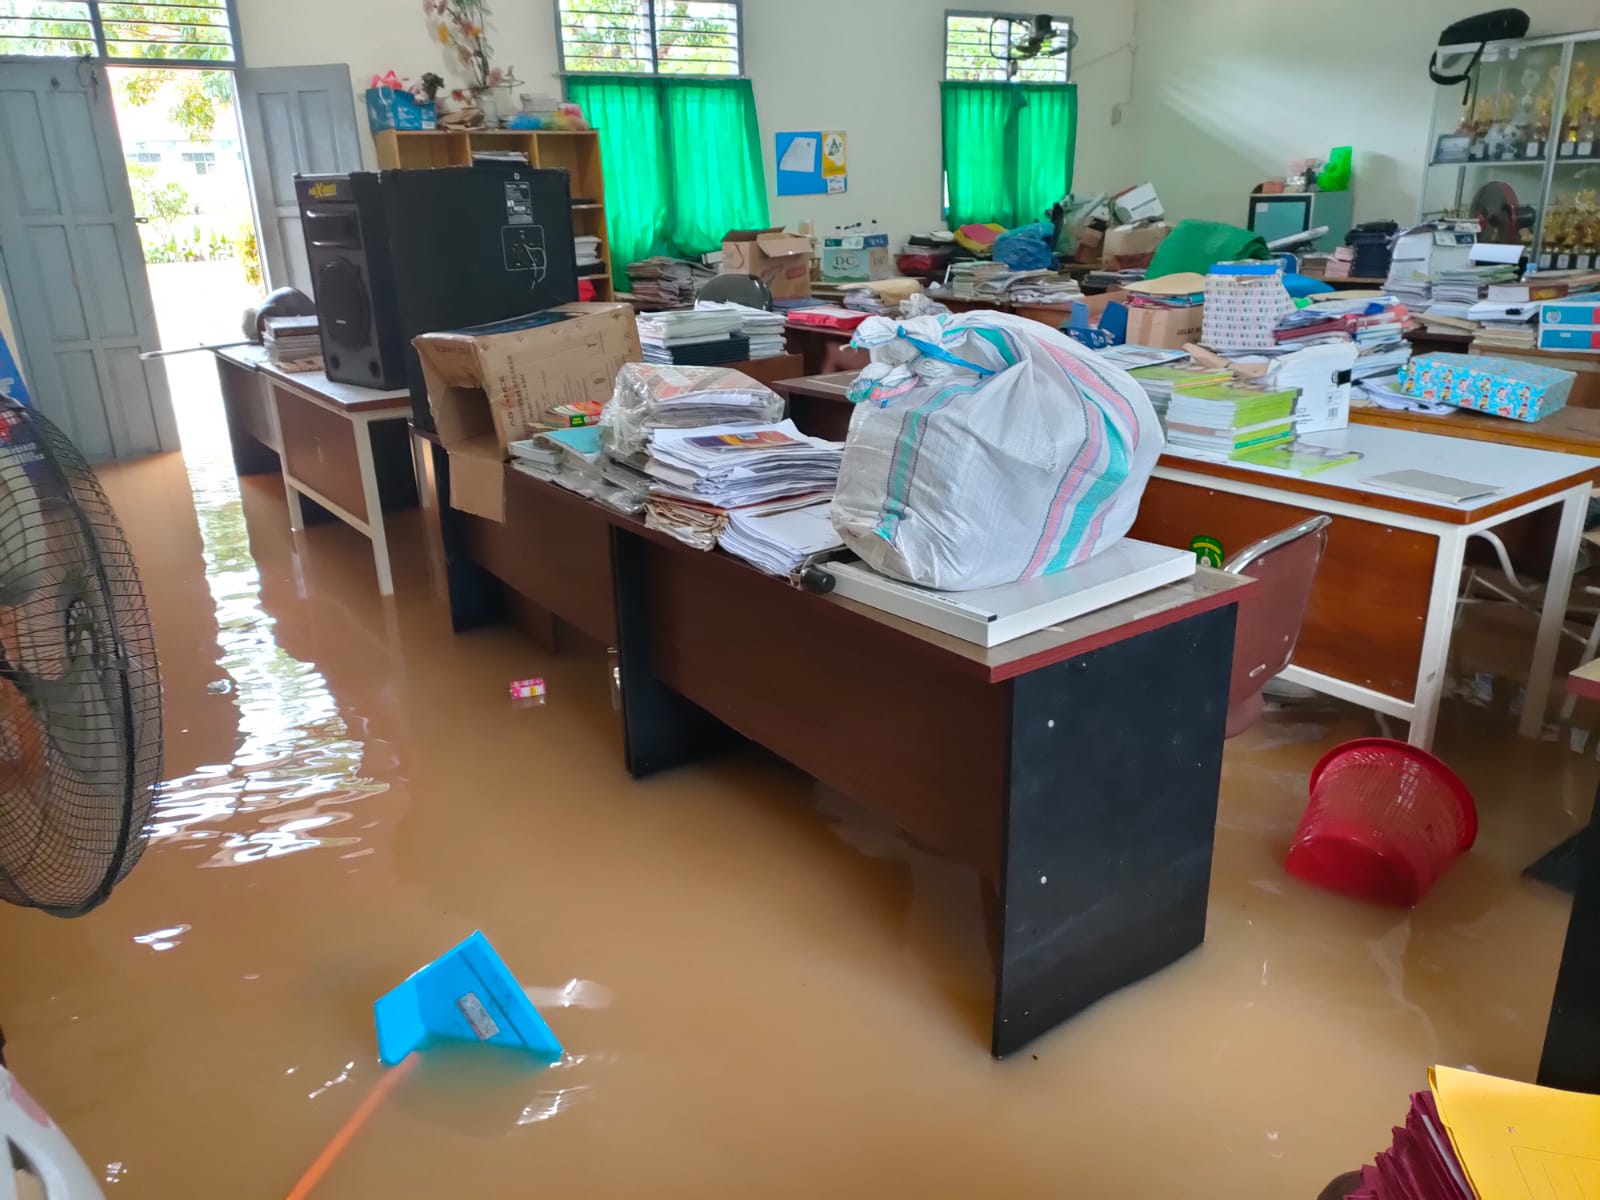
347	247
410	252
475	245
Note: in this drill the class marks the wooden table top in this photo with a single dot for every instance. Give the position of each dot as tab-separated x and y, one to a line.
1206	591
347	397
823	387
1521	475
1565	431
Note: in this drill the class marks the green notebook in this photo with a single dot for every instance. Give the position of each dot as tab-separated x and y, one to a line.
1300	459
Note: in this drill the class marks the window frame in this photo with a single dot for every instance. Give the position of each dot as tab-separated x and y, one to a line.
1070	23
654	72
97	35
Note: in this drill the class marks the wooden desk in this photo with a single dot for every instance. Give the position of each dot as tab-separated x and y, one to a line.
1377	631
344	448
819	404
823	351
1566	431
1028	762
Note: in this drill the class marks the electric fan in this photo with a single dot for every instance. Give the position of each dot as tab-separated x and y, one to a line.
80	721
1498	214
1025	39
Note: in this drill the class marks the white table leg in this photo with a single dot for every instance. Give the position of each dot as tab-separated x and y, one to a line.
1437	627
369	492
297	518
1574	508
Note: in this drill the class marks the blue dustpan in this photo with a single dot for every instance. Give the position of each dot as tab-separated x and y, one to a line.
466	995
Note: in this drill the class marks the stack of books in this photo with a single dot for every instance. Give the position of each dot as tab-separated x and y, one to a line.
967	277
587	250
1230	419
1158	381
1504	326
762	329
669	281
701	337
291	339
1469	284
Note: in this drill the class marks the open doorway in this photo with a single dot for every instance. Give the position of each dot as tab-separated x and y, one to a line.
184	153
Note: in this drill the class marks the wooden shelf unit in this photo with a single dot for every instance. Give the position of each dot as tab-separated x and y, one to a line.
575	151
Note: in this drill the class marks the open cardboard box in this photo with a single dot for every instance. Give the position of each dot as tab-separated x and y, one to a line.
495	384
782	260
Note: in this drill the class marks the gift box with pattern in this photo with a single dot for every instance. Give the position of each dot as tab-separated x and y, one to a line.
1502	387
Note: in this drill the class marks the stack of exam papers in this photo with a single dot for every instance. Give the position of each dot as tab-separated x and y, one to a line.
780	538
763	328
730	466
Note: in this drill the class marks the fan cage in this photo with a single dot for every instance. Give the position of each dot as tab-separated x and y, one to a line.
80	686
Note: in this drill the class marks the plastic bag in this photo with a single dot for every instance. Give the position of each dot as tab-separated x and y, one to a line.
648	396
986	448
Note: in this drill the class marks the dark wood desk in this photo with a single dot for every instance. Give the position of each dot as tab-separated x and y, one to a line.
819	404
1566	431
1029	762
823	351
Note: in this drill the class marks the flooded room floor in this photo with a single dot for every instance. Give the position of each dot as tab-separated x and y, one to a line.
760	991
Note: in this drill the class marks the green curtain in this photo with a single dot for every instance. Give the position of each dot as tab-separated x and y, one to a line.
717	179
1008	149
682	161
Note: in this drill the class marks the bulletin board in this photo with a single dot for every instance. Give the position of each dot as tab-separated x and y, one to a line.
811	162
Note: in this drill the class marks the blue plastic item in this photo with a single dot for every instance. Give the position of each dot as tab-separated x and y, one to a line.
1300	286
1025	248
466	995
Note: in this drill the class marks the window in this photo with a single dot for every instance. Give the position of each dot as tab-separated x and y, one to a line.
149	158
649	37
199	30
205	161
977	46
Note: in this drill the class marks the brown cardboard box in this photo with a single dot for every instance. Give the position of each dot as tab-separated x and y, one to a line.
493	385
782	260
1133	245
1168	328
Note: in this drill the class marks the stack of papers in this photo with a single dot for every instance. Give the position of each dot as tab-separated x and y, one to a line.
1024	287
779	538
1231	419
730	466
696	525
662	280
967	277
587	250
881	297
1505	326
763	329
699	336
1469	284
650	397
291	339
1159	380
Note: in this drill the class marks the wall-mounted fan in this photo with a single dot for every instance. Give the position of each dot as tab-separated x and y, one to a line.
80	722
1015	40
1498	214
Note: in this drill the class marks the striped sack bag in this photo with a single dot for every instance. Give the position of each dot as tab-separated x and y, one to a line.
986	448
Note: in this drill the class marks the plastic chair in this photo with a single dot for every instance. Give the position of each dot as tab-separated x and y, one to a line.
1285	565
741	289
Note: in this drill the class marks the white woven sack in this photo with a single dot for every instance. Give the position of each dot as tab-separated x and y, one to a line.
986	448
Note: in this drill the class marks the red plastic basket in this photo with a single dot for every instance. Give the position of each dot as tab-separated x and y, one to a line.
1385	821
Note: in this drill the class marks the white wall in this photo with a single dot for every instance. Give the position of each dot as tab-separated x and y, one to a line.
1227	91
869	67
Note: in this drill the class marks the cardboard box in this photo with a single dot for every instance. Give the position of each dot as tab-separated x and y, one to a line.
1167	328
858	259
389	109
1133	245
782	260
494	384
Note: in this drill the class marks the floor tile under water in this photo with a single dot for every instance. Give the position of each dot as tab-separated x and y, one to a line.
761	991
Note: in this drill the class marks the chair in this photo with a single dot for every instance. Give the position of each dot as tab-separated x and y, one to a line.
741	289
1285	566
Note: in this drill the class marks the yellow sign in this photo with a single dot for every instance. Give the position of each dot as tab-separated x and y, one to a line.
321	191
833	147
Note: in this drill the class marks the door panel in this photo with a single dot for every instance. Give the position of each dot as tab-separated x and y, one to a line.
296	120
74	268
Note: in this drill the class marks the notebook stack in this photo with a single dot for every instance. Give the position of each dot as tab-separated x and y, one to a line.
587	249
762	329
1158	381
968	276
1469	284
1230	419
291	339
698	337
668	281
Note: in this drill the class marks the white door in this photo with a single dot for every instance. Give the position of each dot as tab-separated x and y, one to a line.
297	120
73	266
